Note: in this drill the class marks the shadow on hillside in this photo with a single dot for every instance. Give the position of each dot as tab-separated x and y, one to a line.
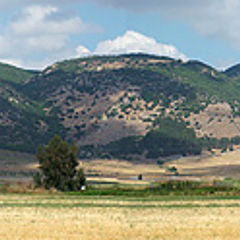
110	131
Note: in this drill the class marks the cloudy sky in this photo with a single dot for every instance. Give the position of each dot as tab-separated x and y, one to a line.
36	33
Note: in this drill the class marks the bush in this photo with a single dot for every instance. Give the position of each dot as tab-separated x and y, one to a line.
160	162
173	170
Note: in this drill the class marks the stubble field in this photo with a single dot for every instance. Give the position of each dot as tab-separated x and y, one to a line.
48	217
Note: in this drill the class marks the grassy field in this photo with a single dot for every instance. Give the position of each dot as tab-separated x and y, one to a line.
57	217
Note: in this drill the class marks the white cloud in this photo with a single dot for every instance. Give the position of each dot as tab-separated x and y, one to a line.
211	18
82	51
133	42
40	31
38	20
130	42
218	19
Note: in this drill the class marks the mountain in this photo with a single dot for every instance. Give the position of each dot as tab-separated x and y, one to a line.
120	105
233	71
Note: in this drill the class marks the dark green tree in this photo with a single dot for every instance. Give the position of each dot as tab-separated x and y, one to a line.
58	166
80	179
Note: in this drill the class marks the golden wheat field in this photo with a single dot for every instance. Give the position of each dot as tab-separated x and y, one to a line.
53	217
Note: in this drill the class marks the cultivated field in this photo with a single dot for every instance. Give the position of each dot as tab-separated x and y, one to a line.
54	217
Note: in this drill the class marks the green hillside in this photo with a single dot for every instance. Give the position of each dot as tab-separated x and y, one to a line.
20	115
13	74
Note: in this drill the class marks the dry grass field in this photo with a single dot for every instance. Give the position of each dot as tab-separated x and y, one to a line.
205	167
16	165
208	166
55	217
219	165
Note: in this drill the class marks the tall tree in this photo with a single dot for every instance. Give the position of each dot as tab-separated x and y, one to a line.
58	166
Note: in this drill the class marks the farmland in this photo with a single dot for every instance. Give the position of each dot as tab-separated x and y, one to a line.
83	217
124	208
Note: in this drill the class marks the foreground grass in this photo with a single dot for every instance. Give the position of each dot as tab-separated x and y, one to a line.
60	216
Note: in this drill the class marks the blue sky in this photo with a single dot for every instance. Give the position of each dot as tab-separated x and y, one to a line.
35	34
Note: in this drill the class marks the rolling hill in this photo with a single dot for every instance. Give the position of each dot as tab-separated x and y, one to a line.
121	106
